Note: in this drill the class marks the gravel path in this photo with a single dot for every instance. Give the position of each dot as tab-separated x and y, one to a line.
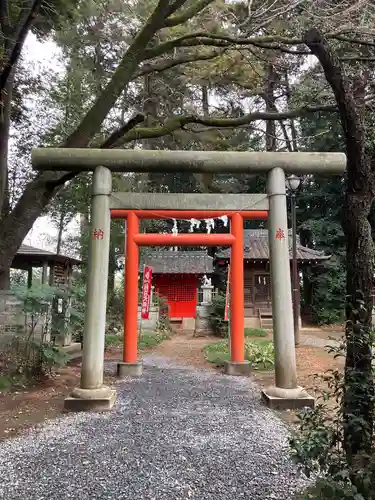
175	433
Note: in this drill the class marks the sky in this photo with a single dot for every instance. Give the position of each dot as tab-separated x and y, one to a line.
43	56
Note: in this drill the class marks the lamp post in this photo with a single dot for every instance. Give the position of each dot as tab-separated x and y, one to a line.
293	183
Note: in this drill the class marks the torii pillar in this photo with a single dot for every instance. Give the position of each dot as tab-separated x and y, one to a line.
92	394
285	393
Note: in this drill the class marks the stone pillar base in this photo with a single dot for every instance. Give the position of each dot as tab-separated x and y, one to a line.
237	369
129	369
94	400
287	399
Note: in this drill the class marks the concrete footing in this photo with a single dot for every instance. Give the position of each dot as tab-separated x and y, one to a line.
287	399
94	400
237	369
129	369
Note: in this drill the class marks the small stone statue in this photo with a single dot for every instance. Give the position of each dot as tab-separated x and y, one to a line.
206	281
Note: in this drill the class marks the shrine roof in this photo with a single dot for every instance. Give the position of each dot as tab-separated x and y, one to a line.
256	248
28	255
180	262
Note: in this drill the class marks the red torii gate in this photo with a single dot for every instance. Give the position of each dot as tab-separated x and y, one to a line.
135	239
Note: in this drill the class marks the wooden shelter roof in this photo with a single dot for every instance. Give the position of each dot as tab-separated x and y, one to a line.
30	256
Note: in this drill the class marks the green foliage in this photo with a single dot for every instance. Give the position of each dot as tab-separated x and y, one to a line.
77	311
49	357
255	332
148	340
218	325
319	213
217	353
30	355
260	353
5	382
24	359
38	303
163	324
321	442
112	340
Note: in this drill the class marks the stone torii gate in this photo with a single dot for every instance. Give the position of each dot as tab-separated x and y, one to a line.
92	394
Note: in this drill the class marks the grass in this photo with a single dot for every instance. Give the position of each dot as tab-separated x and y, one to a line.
112	340
146	340
260	353
5	382
151	339
255	332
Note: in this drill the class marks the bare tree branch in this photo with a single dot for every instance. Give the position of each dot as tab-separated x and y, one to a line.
168	63
107	144
269	42
117	134
179	123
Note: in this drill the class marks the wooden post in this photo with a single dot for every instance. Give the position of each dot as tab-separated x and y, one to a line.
131	292
29	277
237	354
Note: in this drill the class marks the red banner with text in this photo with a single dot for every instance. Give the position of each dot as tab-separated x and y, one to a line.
146	292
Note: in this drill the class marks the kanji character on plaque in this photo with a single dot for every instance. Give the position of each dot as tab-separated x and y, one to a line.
97	234
280	235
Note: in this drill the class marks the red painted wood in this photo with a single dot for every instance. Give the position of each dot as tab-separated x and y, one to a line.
180	292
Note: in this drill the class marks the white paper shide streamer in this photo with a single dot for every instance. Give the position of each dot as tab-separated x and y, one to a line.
196	224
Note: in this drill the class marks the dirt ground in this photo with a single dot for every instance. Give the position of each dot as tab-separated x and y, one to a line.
22	409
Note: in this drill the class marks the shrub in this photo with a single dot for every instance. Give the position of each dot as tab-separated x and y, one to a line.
27	359
319	443
218	325
259	353
163	324
115	310
30	355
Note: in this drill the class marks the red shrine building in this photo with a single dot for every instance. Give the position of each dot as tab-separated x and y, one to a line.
177	276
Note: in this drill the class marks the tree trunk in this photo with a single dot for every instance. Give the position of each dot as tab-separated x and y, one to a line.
60	233
84	226
359	390
4	140
4	181
358	403
15	226
307	286
269	99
